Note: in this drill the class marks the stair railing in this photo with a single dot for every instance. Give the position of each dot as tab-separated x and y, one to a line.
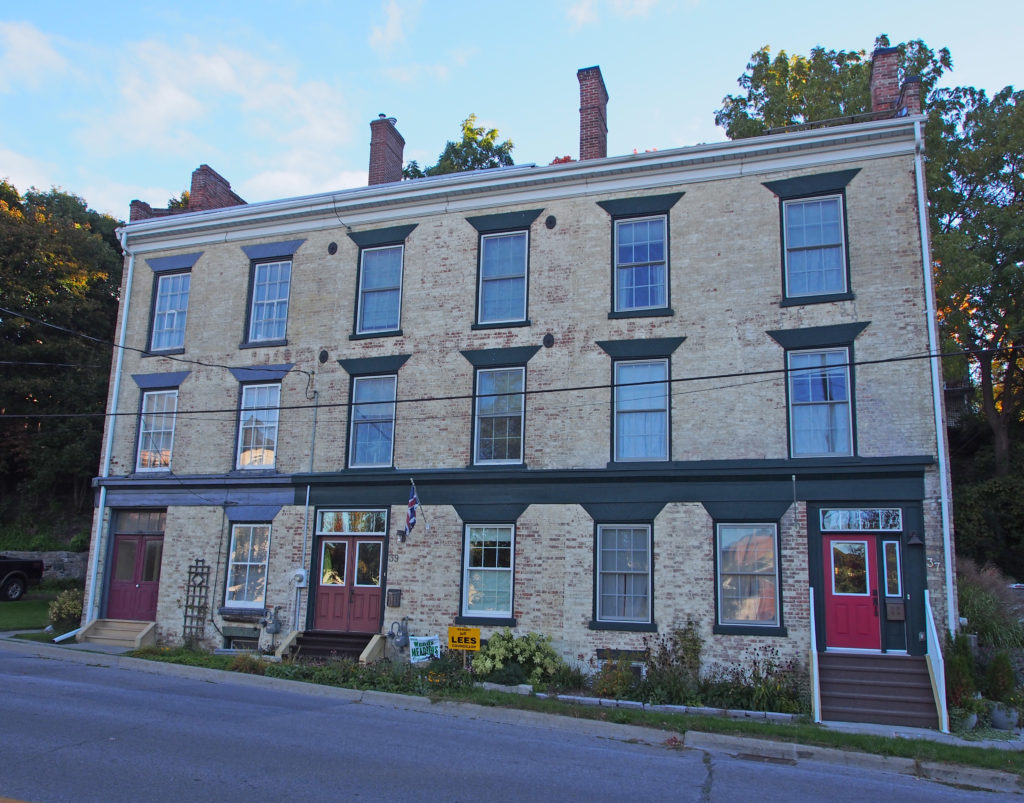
936	664
815	679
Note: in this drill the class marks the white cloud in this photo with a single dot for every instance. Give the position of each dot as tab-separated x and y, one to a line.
24	171
398	18
633	8
290	183
582	13
27	57
408	73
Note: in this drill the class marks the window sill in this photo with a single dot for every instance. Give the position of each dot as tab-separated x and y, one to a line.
368	335
660	312
230	614
796	301
629	627
499	466
258	344
163	352
749	630
492	621
371	469
500	325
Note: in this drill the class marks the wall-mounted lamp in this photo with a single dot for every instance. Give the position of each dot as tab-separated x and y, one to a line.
915	539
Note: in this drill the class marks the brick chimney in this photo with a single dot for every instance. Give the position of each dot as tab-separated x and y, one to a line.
593	114
210	190
386	149
885	87
910	95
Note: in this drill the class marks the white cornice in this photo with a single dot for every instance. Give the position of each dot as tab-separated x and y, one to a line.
527	184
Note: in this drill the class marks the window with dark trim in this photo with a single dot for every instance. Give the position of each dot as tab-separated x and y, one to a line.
488	570
270	276
815	247
157	413
499	404
503	268
172	280
624	572
381	271
747	576
248	556
372	428
257	426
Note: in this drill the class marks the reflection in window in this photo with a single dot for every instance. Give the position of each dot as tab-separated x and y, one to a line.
487	586
257	437
624	574
247	565
891	556
351	521
333	559
748	575
849	567
368	563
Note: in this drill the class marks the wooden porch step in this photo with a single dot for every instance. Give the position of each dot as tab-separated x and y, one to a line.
330	645
115	632
879	688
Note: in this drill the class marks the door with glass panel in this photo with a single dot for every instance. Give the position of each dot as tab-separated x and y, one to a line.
135	569
852	617
350	550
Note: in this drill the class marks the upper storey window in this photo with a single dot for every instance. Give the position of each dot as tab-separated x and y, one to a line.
503	274
171	284
269	290
381	270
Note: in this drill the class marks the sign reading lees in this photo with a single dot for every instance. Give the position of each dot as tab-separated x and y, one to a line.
464	638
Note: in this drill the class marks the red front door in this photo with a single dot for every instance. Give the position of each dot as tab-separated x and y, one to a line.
348	593
135	580
851	592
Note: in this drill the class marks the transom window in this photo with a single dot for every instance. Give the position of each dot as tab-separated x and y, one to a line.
503	277
819	403
641	410
488	570
247	565
351	522
815	250
156	430
380	289
641	267
373	420
861	518
499	415
623	573
268	311
748	574
257	428
170	311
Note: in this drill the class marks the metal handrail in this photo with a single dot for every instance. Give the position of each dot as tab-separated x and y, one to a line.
936	664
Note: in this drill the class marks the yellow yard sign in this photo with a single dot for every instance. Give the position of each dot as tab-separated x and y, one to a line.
464	638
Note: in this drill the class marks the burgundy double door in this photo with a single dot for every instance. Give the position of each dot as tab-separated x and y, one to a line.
135	579
348	593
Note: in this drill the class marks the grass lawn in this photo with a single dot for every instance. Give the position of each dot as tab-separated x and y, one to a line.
28	613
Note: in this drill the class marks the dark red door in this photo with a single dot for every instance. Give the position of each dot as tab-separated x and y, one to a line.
135	580
851	592
348	594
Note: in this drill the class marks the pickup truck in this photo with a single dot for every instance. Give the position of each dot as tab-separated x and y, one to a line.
16	575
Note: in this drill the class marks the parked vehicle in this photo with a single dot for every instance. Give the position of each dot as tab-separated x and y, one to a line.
16	575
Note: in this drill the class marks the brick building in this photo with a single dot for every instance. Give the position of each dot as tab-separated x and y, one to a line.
632	391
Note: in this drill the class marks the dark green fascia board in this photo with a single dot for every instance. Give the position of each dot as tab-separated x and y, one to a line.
818	184
251	512
644	205
625	512
812	337
640	349
504	221
261	373
494	358
744	510
285	248
392	235
499	513
177	262
154	381
367	366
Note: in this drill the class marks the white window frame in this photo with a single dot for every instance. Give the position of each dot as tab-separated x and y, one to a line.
170	311
372	415
478	416
790	249
629	267
774	576
467	570
268	424
645	569
794	375
899	567
660	404
489	284
157	425
269	313
234	566
365	293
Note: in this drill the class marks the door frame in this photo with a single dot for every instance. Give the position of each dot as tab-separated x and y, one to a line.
111	551
870	540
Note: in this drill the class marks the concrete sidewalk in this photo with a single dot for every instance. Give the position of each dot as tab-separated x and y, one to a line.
738	746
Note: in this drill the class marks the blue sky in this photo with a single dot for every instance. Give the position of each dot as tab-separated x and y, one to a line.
115	101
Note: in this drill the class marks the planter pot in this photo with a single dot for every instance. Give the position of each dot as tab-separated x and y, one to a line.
970	721
1003	717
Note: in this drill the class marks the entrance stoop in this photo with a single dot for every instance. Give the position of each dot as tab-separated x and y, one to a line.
879	688
119	633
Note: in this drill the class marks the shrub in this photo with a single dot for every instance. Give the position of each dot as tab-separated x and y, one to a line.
66	610
960	673
617	680
247	663
1000	681
533	652
672	667
990	606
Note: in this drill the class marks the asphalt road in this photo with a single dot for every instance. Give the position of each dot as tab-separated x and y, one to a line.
75	729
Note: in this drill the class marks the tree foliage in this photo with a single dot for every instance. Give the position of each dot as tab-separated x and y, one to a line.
478	149
60	266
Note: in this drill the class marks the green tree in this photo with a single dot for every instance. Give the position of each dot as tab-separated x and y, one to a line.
477	150
60	270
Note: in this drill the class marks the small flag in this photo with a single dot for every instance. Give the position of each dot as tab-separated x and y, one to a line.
410	514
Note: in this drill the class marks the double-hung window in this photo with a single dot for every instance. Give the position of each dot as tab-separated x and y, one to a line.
815	247
371	441
748	575
503	260
170	310
257	428
819	403
247	566
624	573
488	570
156	430
380	290
641	264
498	415
268	310
641	410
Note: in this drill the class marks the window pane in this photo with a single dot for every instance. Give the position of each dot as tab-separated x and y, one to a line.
124	567
156	429
815	255
640	264
893	586
257	447
499	415
487	587
247	564
373	420
819	403
368	563
269	310
151	560
849	568
333	558
380	289
170	311
747	574
624	574
503	277
351	521
641	410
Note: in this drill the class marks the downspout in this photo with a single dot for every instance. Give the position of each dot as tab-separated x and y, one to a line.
92	605
934	349
305	521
